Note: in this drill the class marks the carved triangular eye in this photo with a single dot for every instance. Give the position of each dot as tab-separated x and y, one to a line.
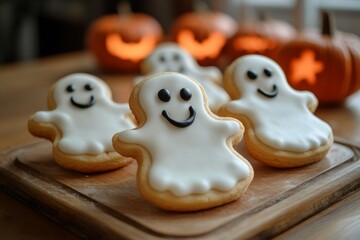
164	95
252	75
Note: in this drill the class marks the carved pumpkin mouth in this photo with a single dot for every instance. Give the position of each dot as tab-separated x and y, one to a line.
269	94
83	105
129	51
182	124
253	44
209	47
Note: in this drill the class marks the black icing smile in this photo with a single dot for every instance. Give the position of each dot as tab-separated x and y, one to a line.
182	124
267	93
81	105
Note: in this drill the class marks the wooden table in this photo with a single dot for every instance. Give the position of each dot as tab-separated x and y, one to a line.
23	91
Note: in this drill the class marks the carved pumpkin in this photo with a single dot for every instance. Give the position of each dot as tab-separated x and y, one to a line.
120	42
203	33
262	37
326	64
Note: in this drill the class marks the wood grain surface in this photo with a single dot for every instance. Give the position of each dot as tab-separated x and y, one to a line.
14	222
108	204
332	223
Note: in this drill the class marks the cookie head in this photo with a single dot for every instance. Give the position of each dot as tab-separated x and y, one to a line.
165	96
258	76
168	57
79	91
174	98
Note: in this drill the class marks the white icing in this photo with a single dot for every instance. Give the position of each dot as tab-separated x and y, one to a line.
89	130
170	57
283	122
187	160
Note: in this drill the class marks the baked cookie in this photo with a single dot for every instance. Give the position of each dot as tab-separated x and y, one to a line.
80	122
185	154
170	57
280	127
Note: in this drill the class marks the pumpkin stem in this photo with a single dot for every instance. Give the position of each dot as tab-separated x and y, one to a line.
243	12
327	24
123	8
299	15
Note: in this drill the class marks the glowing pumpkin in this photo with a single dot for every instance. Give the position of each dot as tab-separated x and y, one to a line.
120	42
259	37
203	33
327	64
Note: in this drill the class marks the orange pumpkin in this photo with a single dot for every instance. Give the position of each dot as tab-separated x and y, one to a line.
120	42
259	37
326	64
203	34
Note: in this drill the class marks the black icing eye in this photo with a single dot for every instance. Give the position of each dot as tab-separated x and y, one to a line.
268	72
185	94
251	75
162	58
88	87
164	95
176	57
70	88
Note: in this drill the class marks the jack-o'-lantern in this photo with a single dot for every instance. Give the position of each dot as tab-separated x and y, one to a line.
262	37
120	42
327	64
203	33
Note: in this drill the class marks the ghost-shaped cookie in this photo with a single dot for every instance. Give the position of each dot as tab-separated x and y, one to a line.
281	129
80	122
170	57
185	153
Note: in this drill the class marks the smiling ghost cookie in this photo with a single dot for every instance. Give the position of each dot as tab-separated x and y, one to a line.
185	157
80	122
170	57
280	127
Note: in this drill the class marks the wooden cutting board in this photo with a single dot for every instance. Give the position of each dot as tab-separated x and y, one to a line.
108	205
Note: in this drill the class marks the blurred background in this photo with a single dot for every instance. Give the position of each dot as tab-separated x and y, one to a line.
39	28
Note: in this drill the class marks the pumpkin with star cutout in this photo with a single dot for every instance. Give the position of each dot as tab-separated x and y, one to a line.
326	64
263	37
203	33
120	42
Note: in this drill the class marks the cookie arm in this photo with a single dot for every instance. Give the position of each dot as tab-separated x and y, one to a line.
48	117
123	108
128	137
127	144
237	106
230	127
312	101
309	98
42	124
125	114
